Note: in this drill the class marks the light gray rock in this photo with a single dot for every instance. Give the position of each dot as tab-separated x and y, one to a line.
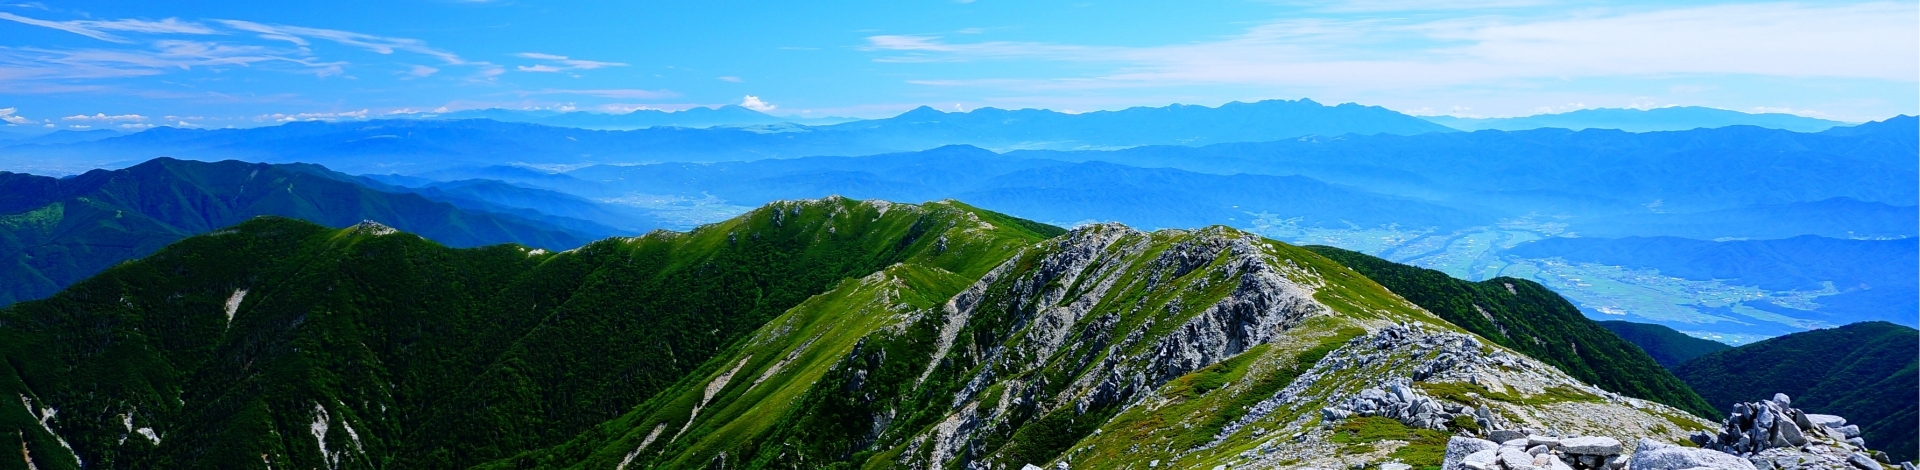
1515	459
1907	466
1851	430
1787	431
1539	450
1458	448
1830	421
1554	463
1863	461
1395	466
1782	399
1592	445
1656	455
1539	440
1483	460
1857	442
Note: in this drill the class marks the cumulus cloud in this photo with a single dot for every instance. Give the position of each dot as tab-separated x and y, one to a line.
12	119
560	63
754	103
103	117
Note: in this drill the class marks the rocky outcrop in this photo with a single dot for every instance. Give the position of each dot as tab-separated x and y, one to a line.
1399	401
1772	434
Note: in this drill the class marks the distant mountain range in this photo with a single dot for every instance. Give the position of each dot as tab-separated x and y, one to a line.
1676	118
416	146
1045	190
730	115
54	232
1865	372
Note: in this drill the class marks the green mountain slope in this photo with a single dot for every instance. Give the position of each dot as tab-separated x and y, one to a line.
828	333
1668	347
54	232
280	343
1865	372
1106	347
1527	317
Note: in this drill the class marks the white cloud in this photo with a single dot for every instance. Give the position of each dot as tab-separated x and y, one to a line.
561	63
103	117
754	103
98	29
7	114
137	127
729	78
1864	40
421	71
283	117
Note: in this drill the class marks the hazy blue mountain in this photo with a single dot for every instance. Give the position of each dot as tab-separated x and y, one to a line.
1865	372
54	232
411	146
65	137
1839	217
1875	278
1170	125
1045	190
1678	118
1668	347
730	115
544	205
1590	172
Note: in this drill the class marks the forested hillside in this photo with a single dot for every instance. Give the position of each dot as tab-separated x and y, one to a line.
1865	372
1668	347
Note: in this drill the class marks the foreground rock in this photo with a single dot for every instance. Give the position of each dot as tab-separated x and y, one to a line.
1771	434
1656	455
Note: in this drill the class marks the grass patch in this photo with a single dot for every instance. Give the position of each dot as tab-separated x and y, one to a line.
1424	449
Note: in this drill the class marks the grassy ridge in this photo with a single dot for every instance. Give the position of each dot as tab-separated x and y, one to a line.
398	352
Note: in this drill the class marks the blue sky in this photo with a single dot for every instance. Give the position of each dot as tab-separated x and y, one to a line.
129	65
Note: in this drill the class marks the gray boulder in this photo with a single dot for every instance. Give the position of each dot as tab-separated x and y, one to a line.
1596	445
1505	435
1863	461
1458	448
1656	455
1830	421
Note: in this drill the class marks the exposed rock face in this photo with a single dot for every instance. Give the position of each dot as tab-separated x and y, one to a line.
1772	434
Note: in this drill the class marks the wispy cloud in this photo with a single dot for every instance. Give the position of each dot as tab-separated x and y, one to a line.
560	63
98	29
300	35
1869	40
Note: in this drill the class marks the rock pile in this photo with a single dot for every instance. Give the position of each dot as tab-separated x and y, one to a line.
1399	401
1773	434
1534	453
